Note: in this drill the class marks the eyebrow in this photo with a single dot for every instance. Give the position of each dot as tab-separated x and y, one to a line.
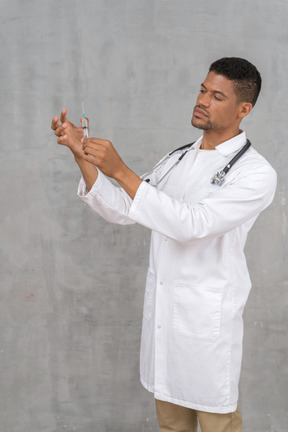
214	91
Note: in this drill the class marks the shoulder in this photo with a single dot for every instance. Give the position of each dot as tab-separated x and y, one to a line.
253	162
253	173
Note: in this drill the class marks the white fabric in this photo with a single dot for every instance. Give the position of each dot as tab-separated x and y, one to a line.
197	282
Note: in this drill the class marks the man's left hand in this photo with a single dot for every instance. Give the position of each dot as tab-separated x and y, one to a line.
102	154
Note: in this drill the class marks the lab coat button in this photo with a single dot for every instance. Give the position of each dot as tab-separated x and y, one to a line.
161	282
159	326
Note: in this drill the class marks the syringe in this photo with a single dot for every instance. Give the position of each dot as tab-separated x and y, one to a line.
84	123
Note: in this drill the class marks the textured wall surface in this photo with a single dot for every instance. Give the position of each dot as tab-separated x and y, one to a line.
72	285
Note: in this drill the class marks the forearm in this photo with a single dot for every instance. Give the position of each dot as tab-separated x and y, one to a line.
128	180
109	201
89	172
102	154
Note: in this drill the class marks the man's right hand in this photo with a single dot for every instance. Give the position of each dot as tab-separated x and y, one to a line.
68	134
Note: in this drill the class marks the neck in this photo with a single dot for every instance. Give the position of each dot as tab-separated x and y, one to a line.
212	138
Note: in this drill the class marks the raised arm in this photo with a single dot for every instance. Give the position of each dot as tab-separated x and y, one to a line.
227	208
91	154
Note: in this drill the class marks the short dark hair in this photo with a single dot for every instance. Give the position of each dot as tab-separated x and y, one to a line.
247	79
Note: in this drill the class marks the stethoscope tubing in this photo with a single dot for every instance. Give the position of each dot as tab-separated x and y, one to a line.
163	161
218	179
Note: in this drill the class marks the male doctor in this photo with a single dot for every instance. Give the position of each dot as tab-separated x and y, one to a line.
197	281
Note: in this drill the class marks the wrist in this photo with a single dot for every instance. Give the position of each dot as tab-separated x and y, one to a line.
88	170
79	160
122	175
128	180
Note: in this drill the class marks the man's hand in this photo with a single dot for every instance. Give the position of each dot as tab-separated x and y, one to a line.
78	131
92	153
69	134
102	154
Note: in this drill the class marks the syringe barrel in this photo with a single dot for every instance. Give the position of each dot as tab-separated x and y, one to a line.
85	128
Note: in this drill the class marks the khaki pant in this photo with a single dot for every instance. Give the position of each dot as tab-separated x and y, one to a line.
175	418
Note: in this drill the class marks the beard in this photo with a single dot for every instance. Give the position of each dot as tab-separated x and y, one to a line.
203	123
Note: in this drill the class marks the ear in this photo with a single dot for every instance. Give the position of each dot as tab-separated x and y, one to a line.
245	108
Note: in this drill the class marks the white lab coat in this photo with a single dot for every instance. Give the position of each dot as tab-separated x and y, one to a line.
197	281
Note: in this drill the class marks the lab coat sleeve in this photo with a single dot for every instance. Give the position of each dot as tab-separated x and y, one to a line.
110	202
223	210
113	203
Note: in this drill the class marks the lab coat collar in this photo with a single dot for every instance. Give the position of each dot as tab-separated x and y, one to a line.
233	145
228	147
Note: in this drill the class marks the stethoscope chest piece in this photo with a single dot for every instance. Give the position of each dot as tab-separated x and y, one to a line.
218	178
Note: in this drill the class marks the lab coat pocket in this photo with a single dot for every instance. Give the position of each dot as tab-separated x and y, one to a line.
148	298
197	311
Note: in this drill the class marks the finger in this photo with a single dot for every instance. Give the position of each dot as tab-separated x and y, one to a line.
91	159
60	130
91	147
57	131
63	117
54	122
96	142
62	140
94	151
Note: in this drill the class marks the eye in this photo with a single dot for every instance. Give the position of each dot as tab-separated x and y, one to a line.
217	98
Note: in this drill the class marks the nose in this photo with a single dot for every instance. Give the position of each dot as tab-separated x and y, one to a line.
204	99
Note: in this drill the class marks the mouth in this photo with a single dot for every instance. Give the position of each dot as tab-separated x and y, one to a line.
198	112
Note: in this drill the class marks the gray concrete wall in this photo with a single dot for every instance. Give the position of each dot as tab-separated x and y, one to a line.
71	284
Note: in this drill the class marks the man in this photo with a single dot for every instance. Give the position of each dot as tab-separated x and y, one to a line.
197	282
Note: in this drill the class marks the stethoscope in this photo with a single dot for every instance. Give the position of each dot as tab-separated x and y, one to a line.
217	179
